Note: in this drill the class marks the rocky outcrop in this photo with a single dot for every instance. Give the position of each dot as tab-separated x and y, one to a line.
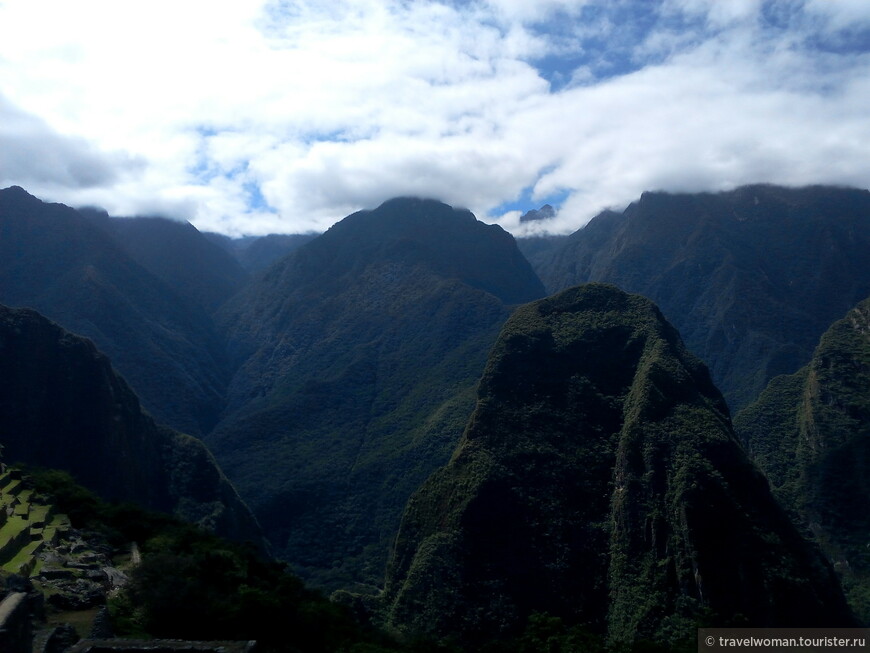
16	631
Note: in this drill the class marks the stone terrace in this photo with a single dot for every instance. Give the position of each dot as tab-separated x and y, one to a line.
26	526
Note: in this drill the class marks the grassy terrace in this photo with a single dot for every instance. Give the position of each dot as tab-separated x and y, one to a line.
11	486
26	525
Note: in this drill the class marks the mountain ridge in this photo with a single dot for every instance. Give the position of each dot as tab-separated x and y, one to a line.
750	277
369	340
178	254
56	261
63	406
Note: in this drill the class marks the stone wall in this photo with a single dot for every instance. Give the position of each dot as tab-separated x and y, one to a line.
16	631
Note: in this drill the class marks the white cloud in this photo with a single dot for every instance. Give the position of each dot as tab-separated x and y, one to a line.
840	14
680	127
717	13
522	11
32	153
288	115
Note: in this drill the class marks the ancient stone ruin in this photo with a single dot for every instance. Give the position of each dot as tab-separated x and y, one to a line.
16	630
41	553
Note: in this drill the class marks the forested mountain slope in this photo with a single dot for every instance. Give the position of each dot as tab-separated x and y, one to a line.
175	252
599	481
751	278
56	261
810	433
357	357
62	406
256	253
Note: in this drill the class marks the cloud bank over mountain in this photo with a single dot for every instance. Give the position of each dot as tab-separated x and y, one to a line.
286	115
32	153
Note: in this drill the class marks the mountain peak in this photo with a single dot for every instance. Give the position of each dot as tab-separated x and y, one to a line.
405	214
544	213
371	338
15	190
599	481
416	232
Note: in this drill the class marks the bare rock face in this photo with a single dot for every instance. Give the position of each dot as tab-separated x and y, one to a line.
546	212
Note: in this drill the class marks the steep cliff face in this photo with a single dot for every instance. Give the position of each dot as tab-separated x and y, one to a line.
599	481
750	278
63	406
358	355
54	260
810	433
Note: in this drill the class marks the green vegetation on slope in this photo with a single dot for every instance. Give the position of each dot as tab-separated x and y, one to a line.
63	406
193	585
54	260
810	433
751	278
359	354
599	483
199	271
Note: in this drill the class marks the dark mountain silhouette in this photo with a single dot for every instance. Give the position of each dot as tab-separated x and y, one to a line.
175	252
599	481
358	355
62	406
54	260
256	253
810	433
544	213
751	278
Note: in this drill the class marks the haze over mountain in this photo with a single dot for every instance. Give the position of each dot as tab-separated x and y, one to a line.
175	252
751	278
62	406
357	356
810	433
599	481
256	253
58	262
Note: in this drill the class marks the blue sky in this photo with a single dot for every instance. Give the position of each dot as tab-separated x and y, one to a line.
287	115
